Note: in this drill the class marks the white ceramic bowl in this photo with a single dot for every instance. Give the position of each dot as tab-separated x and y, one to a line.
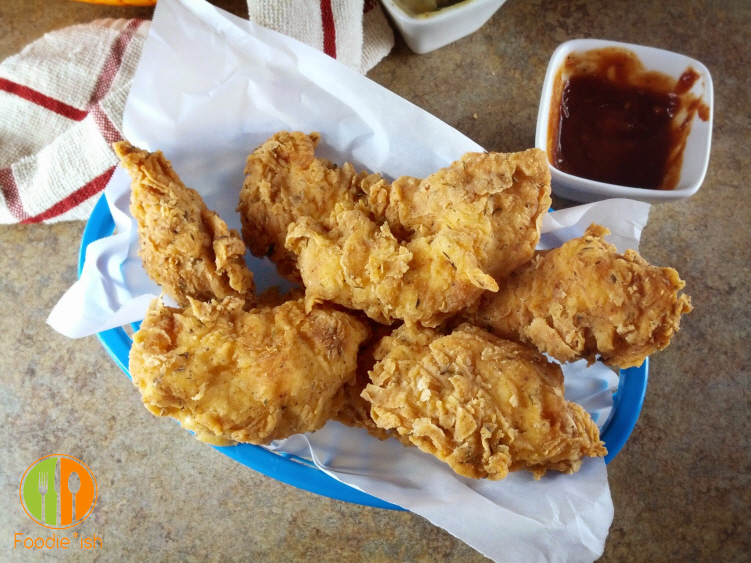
427	33
695	155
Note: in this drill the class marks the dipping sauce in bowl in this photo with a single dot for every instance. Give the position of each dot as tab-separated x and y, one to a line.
612	121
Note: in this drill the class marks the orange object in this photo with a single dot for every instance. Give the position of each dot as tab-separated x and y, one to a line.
84	496
121	2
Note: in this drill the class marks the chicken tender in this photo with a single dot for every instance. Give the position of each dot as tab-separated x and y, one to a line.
421	251
584	299
352	261
484	405
285	181
235	376
185	247
496	199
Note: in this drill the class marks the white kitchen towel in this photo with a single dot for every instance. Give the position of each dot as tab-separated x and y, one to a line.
61	106
354	32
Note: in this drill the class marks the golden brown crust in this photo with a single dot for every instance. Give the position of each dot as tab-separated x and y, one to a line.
235	376
352	261
422	250
355	411
584	299
285	181
185	247
497	199
484	405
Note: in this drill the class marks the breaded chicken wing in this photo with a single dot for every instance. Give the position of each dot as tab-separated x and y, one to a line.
285	181
185	247
584	300
420	251
484	405
235	376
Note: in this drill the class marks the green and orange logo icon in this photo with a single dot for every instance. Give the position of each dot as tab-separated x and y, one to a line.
58	480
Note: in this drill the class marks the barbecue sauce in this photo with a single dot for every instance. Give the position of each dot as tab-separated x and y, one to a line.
611	121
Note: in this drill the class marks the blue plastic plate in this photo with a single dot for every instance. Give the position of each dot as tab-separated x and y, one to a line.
300	473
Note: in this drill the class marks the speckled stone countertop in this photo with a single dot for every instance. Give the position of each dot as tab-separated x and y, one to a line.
680	485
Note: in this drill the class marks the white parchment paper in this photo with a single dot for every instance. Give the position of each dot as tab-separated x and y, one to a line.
209	89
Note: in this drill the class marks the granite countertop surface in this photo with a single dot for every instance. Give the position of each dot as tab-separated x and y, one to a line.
681	485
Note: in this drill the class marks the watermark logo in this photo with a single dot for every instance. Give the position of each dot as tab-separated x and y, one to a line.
58	480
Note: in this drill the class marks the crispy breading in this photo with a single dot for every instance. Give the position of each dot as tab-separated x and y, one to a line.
584	300
351	261
420	251
235	376
496	199
484	405
355	411
185	247
285	181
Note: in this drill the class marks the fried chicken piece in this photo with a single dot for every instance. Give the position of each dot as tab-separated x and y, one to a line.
496	199
355	411
285	181
584	299
273	297
484	405
185	247
235	376
351	261
438	244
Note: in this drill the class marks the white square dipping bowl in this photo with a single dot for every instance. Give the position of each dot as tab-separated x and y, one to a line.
696	152
431	31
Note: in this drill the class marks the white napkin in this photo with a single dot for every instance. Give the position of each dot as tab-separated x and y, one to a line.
210	88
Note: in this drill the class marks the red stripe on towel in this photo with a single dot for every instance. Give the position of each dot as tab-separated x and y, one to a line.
36	97
114	61
106	78
74	199
329	29
107	129
11	195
